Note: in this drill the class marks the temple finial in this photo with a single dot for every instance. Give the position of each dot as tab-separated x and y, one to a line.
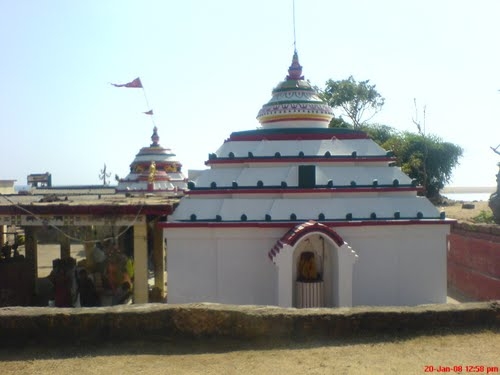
295	70
155	138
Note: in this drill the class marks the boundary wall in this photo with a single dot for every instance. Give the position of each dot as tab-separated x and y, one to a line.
473	260
40	325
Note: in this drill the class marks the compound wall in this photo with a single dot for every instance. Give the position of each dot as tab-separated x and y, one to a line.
474	260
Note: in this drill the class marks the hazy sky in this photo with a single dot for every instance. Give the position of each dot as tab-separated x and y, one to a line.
208	67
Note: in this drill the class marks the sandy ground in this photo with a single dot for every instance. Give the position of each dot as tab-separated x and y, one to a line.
440	352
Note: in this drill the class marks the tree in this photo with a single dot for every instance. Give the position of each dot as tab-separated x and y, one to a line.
355	99
339	122
380	133
496	149
427	159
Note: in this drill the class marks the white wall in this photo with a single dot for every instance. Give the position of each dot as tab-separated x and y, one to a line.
398	265
221	265
191	266
7	187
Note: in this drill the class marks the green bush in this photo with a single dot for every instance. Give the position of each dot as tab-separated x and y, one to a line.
20	239
485	217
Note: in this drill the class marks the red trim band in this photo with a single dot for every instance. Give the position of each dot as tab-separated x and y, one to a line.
300	190
100	210
262	224
294	116
295	137
285	159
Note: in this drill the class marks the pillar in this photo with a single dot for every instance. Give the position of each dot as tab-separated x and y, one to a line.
65	244
2	235
284	262
88	247
31	251
159	258
141	287
346	258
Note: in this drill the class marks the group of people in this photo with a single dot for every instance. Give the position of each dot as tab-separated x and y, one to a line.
106	279
9	252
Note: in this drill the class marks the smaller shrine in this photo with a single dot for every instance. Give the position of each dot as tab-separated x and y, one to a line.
154	168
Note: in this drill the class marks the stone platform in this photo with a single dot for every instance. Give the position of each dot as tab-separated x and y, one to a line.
39	325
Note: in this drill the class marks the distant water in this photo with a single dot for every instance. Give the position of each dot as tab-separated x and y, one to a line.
468	197
18	188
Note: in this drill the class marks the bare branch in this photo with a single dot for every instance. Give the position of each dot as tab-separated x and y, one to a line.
496	149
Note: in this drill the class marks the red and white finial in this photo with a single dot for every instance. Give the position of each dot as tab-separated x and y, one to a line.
295	70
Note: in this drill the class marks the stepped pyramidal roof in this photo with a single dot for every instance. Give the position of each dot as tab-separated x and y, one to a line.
293	168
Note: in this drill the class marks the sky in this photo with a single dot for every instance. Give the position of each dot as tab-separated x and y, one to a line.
208	66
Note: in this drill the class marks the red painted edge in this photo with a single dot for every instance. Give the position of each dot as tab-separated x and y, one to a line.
294	137
299	231
294	117
298	190
285	159
288	224
160	209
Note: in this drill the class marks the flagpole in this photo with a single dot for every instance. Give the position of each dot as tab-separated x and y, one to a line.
137	83
147	104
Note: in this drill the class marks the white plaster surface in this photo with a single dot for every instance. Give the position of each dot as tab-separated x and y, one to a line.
304	208
221	266
343	147
395	265
273	176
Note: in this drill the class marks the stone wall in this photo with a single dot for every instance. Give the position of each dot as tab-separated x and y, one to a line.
16	285
35	325
474	260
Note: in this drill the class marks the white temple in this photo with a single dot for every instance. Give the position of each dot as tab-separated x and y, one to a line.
154	169
297	214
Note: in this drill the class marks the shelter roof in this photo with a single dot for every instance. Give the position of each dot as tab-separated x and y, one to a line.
87	204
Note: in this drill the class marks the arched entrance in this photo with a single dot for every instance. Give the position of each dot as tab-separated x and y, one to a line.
314	267
313	263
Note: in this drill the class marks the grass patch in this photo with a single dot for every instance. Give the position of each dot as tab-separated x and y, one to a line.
484	217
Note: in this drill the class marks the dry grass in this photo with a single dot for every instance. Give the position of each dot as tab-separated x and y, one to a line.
454	210
386	355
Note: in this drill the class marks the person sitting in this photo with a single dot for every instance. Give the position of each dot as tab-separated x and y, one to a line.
86	290
123	294
15	250
62	284
6	250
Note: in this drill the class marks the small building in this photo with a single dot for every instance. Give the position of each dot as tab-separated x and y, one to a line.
154	168
7	186
297	214
40	179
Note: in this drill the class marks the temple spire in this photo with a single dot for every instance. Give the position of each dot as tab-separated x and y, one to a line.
295	70
295	103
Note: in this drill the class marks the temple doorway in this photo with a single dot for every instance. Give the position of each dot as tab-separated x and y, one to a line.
313	266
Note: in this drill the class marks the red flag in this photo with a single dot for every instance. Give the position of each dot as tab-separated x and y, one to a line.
150	112
136	83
